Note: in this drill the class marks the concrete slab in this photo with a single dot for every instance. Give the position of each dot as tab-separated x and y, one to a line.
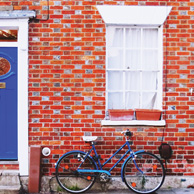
160	191
9	182
182	191
172	185
127	191
10	189
10	172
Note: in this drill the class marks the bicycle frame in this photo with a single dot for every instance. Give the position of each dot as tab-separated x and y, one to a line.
142	172
132	154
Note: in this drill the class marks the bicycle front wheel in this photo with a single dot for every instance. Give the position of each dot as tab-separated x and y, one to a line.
146	176
69	178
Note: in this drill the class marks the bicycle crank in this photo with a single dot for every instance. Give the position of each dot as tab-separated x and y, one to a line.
104	178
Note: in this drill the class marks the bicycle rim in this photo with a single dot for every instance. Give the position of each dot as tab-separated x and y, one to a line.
152	177
68	177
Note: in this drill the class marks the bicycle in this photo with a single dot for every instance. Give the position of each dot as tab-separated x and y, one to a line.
77	171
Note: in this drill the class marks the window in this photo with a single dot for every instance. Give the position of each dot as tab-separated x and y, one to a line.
134	58
134	67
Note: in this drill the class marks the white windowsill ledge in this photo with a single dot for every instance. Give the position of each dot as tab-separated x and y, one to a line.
134	123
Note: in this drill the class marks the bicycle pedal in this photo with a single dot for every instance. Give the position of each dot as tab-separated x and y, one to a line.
104	178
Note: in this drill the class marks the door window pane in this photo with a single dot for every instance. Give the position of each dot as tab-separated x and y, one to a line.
8	35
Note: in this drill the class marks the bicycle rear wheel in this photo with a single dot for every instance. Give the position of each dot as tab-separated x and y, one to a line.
67	175
150	175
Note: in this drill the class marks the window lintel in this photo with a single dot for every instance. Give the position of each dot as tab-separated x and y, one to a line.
134	15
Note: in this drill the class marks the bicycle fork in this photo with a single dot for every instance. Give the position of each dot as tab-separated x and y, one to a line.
133	157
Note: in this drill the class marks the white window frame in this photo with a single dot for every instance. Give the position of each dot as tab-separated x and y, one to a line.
160	66
160	77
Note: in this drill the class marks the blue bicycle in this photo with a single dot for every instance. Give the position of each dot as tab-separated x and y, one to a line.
77	171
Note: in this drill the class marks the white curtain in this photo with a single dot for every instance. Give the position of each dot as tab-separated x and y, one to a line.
132	67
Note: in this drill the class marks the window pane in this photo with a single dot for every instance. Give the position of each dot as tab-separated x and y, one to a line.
149	100
133	59
115	100
115	80
150	60
115	37
132	100
132	81
150	38
133	38
149	81
115	58
8	35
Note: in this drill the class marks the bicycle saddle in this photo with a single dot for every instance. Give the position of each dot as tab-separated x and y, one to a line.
89	138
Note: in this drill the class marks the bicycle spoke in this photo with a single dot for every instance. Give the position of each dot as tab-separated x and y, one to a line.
147	177
69	178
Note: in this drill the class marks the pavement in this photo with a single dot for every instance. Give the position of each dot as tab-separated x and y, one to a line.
160	191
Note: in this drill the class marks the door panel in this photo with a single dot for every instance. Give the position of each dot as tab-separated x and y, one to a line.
8	104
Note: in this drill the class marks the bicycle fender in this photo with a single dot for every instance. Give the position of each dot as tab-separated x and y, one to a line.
74	151
140	151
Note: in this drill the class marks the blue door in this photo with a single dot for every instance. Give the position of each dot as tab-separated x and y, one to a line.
8	103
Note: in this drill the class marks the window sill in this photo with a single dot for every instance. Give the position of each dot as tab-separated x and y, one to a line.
160	123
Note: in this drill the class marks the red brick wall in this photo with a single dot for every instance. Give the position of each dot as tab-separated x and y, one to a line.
67	80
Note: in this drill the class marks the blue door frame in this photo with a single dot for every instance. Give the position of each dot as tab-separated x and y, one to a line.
8	107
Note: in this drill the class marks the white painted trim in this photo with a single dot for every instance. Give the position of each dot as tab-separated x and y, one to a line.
22	44
23	96
160	65
106	81
9	24
133	123
16	14
134	15
8	44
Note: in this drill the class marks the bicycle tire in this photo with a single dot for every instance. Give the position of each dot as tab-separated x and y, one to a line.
68	177
153	173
